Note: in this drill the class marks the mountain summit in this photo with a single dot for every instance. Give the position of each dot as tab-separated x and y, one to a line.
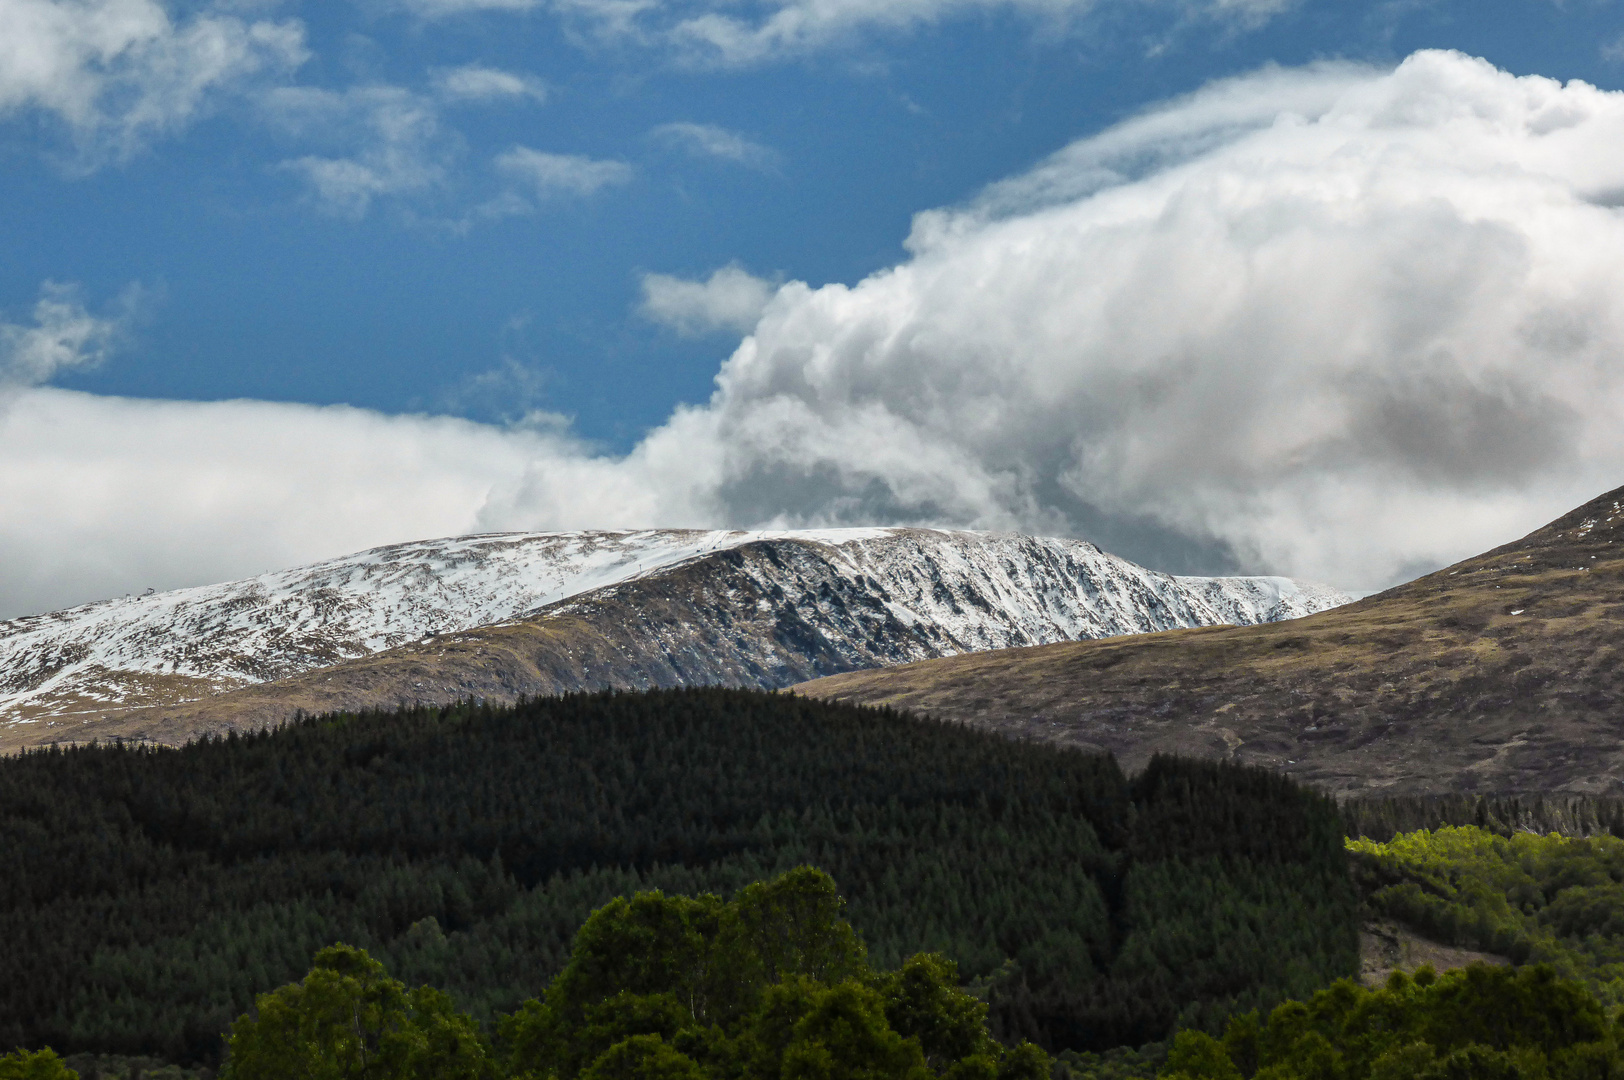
1502	673
503	615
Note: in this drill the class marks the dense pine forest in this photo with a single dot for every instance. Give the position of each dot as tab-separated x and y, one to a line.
151	894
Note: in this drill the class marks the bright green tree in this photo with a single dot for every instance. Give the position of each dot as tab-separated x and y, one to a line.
1197	1054
790	926
683	968
643	1057
1026	1061
40	1065
923	1001
843	1035
347	1020
639	966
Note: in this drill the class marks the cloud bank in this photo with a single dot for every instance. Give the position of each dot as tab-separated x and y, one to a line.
1341	323
131	492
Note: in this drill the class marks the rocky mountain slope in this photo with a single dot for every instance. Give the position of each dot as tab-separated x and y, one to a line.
1503	673
501	615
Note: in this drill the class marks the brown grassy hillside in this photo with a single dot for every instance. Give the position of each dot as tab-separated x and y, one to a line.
1500	673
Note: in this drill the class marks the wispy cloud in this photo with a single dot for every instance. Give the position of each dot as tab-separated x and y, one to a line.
440	9
391	138
117	74
64	335
730	299
475	82
708	140
512	392
547	175
1249	14
725	33
719	33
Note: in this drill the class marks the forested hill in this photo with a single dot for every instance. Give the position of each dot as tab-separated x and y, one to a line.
151	893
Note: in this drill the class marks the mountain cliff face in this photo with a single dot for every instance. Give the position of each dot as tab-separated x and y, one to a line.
1501	674
502	615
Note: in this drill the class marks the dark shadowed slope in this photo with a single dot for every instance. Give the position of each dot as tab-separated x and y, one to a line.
1500	673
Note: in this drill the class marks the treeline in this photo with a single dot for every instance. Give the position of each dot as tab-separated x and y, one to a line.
150	894
772	984
1533	899
1381	819
776	985
1477	1023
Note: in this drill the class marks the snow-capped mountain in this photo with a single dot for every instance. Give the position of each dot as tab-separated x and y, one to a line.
670	606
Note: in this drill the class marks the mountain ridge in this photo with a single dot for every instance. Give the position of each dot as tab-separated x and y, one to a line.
652	608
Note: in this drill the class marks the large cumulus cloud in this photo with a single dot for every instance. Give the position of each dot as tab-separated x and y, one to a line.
1338	322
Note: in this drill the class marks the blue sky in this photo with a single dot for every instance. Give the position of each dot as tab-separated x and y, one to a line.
262	289
505	211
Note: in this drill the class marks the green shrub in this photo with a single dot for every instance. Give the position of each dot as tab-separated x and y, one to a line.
1477	1023
1549	899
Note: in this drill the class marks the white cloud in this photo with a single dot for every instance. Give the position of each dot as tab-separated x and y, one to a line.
63	336
117	73
391	140
708	140
1246	12
512	390
475	82
730	299
1174	132
440	9
1342	332
546	175
1345	333
105	496
727	34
